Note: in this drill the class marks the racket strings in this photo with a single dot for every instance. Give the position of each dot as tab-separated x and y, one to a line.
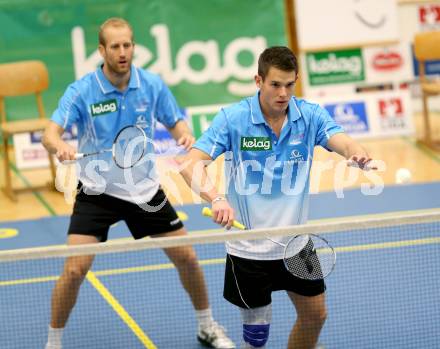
312	261
129	146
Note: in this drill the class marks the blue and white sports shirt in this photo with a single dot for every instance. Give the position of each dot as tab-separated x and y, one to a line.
267	177
99	111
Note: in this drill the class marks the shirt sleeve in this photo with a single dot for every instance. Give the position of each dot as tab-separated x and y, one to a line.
216	140
325	126
167	109
67	112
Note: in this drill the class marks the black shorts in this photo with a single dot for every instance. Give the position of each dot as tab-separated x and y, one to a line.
94	214
250	283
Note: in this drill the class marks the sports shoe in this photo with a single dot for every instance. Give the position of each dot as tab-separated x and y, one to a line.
214	336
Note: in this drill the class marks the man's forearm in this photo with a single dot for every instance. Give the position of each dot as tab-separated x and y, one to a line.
180	128
51	142
196	177
346	146
355	149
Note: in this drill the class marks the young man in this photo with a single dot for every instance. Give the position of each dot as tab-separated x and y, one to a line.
268	141
100	104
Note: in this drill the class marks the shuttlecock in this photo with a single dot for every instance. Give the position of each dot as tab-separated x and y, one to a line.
403	175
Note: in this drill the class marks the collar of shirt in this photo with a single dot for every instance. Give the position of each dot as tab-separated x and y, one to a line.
107	87
257	117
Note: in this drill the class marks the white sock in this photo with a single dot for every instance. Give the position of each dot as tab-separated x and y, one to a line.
54	336
204	317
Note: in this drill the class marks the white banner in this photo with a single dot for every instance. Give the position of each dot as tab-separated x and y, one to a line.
373	114
342	23
389	63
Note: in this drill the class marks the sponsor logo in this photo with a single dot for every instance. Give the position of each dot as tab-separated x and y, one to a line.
255	143
369	22
298	153
222	59
370	88
296	139
429	15
387	61
391	114
33	154
105	107
141	121
174	222
351	116
335	67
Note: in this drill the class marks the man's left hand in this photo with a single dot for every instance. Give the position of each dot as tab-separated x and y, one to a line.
363	162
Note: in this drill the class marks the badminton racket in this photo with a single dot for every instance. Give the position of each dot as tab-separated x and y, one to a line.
128	148
306	256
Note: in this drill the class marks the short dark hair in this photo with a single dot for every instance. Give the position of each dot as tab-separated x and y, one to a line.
280	57
113	22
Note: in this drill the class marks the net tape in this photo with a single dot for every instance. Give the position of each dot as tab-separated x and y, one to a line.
346	224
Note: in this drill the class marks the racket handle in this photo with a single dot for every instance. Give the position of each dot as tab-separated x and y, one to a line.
77	157
206	211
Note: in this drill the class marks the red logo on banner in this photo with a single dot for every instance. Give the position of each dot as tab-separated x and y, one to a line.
33	154
391	114
391	107
387	61
429	14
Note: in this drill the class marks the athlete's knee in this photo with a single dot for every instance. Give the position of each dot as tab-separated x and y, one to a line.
75	273
320	316
315	316
256	324
185	257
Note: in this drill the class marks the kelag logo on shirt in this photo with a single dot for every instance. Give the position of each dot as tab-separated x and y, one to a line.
255	143
105	107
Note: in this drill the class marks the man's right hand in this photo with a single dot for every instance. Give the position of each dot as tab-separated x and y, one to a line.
55	145
65	152
222	212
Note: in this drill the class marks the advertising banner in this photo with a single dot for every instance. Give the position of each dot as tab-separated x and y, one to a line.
333	67
429	17
206	52
385	64
373	114
203	61
342	23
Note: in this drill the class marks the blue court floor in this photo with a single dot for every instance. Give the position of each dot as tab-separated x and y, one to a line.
382	294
